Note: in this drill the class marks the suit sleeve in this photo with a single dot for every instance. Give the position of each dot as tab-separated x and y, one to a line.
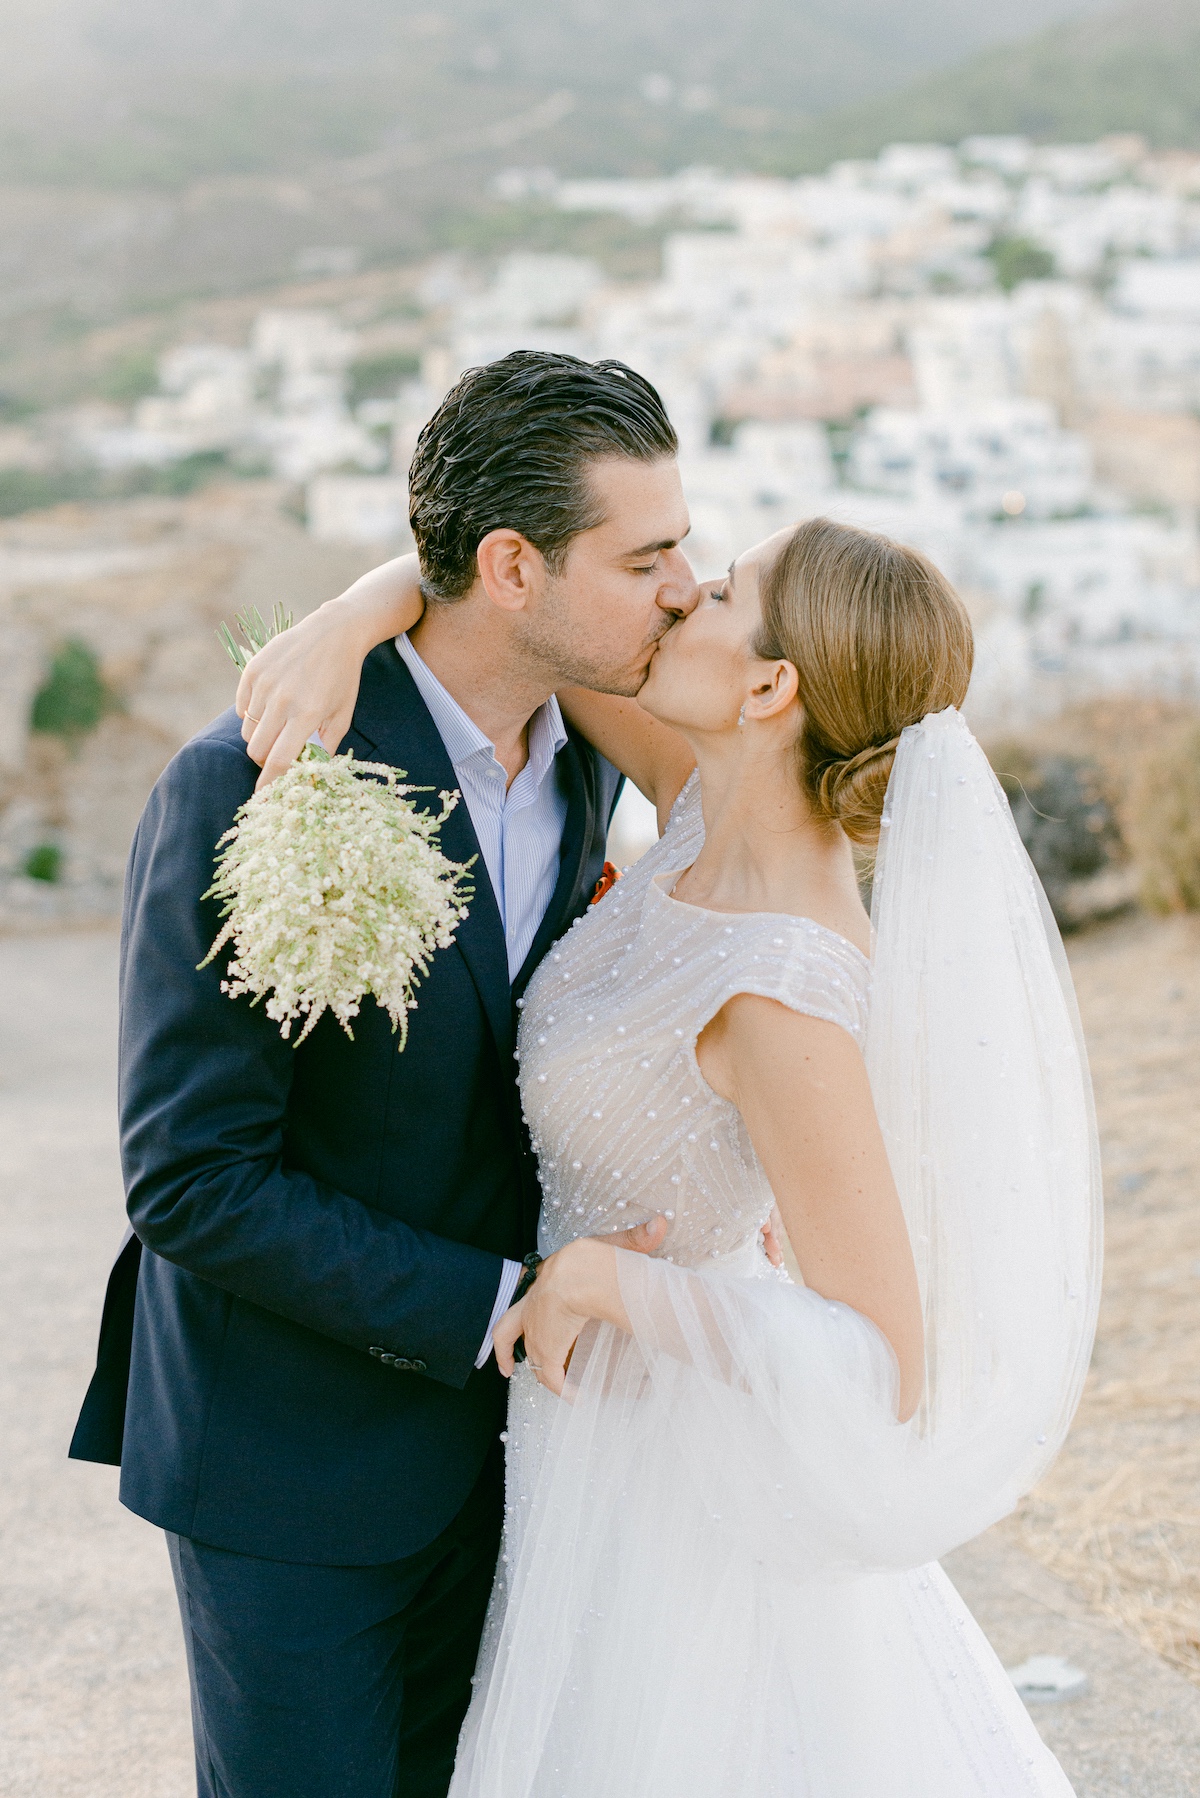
614	786
203	1095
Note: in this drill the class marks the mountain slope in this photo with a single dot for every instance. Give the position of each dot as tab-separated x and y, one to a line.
161	92
1137	69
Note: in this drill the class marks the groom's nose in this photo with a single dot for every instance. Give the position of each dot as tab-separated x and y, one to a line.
679	592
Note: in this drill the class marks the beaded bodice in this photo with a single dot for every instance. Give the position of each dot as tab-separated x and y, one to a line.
623	1123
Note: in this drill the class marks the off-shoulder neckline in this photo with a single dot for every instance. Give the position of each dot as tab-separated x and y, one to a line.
659	883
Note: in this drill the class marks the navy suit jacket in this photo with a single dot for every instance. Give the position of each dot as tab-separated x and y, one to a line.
300	1213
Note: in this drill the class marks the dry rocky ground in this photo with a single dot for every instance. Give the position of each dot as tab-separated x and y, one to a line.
1119	1515
144	585
1102	1565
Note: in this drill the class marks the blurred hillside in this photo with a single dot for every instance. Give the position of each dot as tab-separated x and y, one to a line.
268	86
152	152
245	249
1136	69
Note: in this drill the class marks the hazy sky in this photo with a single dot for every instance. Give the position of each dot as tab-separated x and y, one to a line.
48	38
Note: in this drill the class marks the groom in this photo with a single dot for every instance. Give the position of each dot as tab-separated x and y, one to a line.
295	1368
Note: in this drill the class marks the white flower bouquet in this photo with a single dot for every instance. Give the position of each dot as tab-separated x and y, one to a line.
333	887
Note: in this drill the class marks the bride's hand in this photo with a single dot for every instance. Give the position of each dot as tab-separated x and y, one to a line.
301	683
772	1238
305	681
574	1286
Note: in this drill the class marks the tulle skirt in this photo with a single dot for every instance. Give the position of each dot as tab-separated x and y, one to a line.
694	1599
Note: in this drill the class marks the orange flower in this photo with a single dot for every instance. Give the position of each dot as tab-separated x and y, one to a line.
608	879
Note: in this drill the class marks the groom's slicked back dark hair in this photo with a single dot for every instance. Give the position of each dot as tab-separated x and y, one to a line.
509	448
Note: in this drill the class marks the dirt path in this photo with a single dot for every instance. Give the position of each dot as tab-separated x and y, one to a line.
92	1677
1119	1515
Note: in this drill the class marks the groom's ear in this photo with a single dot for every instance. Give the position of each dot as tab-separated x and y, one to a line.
511	570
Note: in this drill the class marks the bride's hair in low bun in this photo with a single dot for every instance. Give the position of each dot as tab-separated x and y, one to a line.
879	638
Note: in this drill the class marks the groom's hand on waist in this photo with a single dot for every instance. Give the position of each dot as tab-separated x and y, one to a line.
573	1287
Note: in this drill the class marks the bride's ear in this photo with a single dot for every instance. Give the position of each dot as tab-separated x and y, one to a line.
775	690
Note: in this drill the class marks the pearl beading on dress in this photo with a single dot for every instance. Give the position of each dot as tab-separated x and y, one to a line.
622	1121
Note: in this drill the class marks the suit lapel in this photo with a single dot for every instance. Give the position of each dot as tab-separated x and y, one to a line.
392	724
576	770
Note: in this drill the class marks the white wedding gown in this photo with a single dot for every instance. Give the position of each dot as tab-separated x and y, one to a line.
698	1595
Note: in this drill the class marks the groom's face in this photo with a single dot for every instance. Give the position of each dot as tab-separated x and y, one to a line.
624	583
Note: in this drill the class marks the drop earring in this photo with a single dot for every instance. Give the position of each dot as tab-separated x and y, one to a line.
741	718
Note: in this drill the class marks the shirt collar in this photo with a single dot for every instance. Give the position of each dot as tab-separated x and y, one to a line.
461	735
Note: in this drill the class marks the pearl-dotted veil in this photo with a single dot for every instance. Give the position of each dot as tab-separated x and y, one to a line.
980	1081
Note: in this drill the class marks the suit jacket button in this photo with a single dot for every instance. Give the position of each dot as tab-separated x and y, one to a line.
377	1352
386	1359
400	1363
419	1366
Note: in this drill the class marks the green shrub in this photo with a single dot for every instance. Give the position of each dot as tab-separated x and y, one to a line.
44	862
1164	822
33	489
1017	259
14	408
1064	814
74	698
178	478
379	377
131	377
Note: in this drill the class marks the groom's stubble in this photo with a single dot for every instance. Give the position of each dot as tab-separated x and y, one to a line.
622	586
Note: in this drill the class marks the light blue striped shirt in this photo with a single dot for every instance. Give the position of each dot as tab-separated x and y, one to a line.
520	829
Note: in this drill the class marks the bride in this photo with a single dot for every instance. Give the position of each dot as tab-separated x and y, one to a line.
728	1492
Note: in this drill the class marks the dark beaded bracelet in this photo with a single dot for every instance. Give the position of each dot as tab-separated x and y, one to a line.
530	1267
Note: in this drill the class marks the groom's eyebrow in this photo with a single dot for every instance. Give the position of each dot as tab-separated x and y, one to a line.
650	549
